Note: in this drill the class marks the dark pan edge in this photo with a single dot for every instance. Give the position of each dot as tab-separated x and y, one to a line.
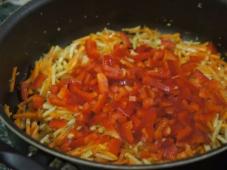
178	163
19	14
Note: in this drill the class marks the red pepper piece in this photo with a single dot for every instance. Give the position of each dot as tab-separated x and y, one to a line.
113	72
37	101
77	142
24	90
87	96
156	83
125	131
143	56
168	44
100	103
91	49
125	40
119	51
114	146
102	83
57	123
55	100
38	81
54	89
143	48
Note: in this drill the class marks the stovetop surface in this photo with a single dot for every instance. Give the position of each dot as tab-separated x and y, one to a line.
7	7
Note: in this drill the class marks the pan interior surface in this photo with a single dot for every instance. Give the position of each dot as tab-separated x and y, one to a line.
33	29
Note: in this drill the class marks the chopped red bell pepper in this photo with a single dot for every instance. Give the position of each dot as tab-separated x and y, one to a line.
55	100
87	96
24	90
120	51
113	72
37	101
125	130
91	49
114	146
57	123
102	83
38	81
100	103
168	44
125	40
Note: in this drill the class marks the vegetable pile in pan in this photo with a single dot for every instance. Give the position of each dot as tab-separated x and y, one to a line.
130	97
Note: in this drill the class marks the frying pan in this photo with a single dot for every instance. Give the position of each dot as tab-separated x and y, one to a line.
34	28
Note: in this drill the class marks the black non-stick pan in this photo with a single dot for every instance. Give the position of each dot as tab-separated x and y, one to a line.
34	28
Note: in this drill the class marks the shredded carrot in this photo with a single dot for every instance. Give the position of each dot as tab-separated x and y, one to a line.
13	79
28	115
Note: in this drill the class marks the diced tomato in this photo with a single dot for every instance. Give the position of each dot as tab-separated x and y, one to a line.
57	123
91	49
38	81
37	101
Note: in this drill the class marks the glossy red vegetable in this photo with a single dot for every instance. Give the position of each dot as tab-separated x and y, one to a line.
38	81
146	95
57	123
37	101
91	49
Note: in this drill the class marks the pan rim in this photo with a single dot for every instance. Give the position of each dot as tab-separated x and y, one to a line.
18	132
5	28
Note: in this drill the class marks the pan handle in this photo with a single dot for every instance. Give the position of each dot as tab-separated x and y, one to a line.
13	159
